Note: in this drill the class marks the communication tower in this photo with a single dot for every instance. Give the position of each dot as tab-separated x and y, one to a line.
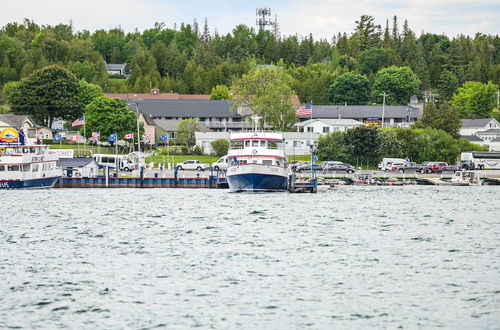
263	18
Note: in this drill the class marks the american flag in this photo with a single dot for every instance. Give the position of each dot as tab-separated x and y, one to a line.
129	136
79	122
306	110
95	136
75	138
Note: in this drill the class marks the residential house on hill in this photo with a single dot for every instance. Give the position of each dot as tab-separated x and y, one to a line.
33	133
116	68
483	131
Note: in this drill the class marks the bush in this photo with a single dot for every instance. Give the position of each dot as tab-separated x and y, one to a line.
198	150
185	150
220	146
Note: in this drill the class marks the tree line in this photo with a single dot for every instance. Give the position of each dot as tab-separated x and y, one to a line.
193	59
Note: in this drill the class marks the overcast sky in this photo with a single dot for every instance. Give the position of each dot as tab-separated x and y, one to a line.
322	18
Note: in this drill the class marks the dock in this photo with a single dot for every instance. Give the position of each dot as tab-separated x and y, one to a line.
211	182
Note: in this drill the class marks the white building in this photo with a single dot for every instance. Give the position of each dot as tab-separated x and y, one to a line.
295	143
470	127
483	131
85	167
325	126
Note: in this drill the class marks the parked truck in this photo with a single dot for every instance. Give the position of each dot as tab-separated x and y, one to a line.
192	165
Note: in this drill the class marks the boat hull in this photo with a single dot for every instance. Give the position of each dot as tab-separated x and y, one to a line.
257	182
29	184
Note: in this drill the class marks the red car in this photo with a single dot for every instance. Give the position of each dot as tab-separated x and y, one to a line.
435	167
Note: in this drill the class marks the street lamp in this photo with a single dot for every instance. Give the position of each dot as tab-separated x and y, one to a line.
383	108
137	101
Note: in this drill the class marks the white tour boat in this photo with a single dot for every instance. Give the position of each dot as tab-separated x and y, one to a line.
256	163
25	166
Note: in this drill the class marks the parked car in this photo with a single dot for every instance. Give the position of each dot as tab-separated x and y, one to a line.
422	168
192	165
342	167
448	168
307	167
467	164
435	167
294	167
386	163
221	164
407	167
324	165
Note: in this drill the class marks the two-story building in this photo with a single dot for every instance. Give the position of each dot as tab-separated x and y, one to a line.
325	126
33	132
392	115
482	131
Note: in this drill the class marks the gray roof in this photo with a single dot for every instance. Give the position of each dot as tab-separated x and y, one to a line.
75	162
13	120
469	123
186	108
471	138
364	111
333	122
495	140
169	125
490	131
116	66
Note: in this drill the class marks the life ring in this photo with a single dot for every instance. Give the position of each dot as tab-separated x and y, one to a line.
254	151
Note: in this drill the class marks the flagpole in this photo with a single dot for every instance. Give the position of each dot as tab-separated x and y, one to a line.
85	138
313	172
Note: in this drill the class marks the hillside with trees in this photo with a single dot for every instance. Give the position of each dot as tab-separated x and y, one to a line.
352	67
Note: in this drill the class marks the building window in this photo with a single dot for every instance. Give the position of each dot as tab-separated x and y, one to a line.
310	129
326	129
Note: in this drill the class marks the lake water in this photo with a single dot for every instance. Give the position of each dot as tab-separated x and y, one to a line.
353	257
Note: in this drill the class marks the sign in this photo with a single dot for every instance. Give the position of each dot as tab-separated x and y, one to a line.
372	118
62	153
9	136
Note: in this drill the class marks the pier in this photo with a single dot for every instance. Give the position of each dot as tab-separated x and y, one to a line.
211	182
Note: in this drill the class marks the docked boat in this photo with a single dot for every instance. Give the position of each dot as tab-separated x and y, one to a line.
25	166
466	178
256	163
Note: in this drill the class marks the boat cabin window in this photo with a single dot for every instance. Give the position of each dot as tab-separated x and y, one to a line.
267	162
34	167
13	168
26	167
243	161
263	143
255	143
278	162
2	168
247	143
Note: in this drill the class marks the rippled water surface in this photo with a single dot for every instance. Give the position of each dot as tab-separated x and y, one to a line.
354	257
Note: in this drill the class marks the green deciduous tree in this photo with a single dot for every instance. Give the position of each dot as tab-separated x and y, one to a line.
266	93
362	144
475	99
109	116
332	146
186	129
220	146
220	92
46	94
400	83
350	88
442	116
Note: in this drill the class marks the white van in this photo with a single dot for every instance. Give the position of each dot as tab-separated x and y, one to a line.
386	163
221	164
112	161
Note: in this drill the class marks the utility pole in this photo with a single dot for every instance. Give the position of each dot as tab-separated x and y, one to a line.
383	108
138	132
498	100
